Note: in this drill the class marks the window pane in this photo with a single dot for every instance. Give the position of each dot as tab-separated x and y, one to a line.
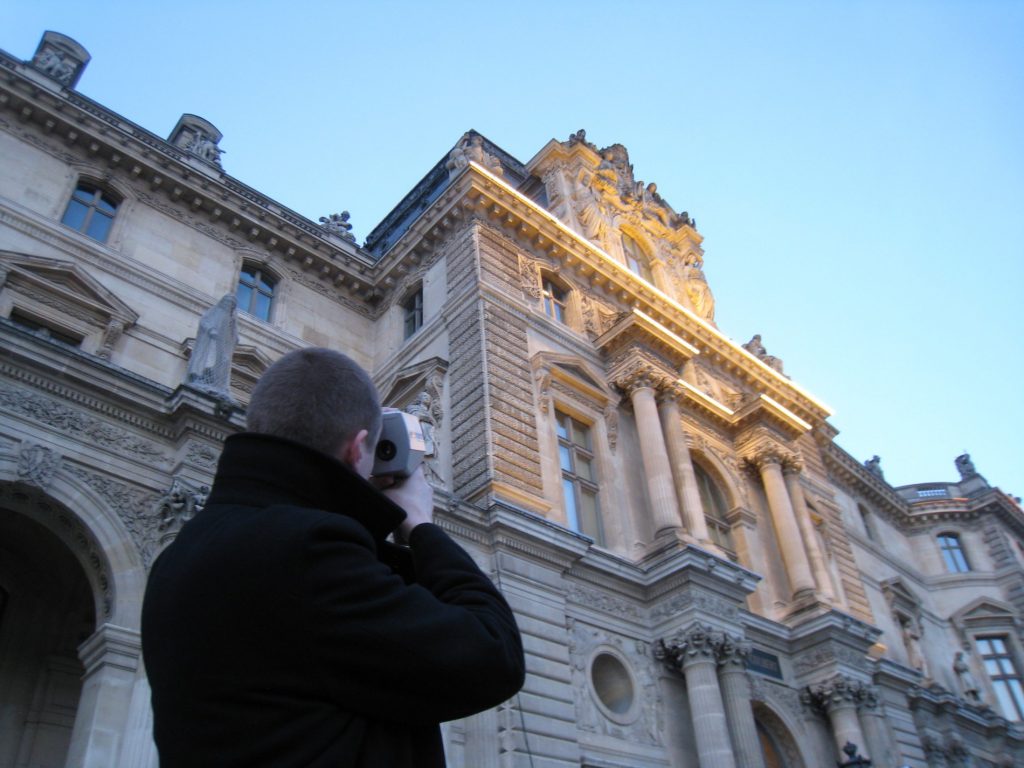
262	308
984	646
590	521
569	490
991	667
99	227
244	296
998	645
565	458
104	204
584	468
561	428
247	276
74	216
580	435
1005	700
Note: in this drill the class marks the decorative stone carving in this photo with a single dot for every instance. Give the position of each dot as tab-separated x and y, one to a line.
733	651
603	602
337	224
837	691
529	278
690	286
427	408
209	367
700	641
611	421
60	58
198	137
706	603
177	506
471	149
37	464
202	454
132	504
111	334
756	348
99	434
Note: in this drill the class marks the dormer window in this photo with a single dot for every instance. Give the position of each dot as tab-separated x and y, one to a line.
636	259
91	211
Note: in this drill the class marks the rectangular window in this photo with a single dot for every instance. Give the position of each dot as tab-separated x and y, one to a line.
953	553
554	300
413	313
579	477
1001	670
40	329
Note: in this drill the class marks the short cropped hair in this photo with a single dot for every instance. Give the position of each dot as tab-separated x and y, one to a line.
317	397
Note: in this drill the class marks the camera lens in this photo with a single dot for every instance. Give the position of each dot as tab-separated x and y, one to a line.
386	450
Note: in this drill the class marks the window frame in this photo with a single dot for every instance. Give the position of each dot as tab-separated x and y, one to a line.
568	447
93	197
1002	680
412	312
261	276
717	520
954	556
636	259
554	299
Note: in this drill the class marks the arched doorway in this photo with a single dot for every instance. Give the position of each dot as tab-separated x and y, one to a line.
778	746
46	612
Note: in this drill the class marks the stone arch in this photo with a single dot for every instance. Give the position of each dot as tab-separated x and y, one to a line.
94	534
719	472
779	729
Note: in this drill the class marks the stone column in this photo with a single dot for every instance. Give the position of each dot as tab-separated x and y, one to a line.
787	532
693	653
682	466
657	469
732	677
872	721
839	697
791	472
111	659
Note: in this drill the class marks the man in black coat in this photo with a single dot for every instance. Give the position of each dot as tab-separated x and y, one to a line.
281	628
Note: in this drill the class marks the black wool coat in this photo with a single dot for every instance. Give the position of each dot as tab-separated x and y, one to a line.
281	629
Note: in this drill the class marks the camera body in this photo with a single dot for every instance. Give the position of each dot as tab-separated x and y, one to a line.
401	445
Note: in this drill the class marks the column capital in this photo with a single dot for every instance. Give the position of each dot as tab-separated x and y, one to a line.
733	651
638	368
838	692
793	464
697	643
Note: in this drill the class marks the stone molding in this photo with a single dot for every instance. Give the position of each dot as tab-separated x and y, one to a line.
112	646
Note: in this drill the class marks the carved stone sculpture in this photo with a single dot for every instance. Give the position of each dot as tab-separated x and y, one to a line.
209	367
50	62
178	505
697	291
423	409
205	148
471	149
756	348
337	224
968	683
965	466
873	465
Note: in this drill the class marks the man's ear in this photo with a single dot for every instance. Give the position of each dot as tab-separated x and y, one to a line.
354	451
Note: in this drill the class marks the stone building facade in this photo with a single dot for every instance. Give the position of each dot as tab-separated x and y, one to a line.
703	577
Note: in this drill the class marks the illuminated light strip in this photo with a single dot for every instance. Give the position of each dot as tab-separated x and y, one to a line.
621	268
714	404
786	412
666	332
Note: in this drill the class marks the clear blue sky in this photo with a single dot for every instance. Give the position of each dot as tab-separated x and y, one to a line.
857	168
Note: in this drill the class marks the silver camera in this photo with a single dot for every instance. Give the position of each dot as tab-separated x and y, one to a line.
401	445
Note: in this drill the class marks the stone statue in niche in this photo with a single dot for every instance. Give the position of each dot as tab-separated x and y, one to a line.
968	684
912	642
209	367
873	465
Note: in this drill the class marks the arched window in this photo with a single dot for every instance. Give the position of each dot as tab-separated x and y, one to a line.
91	211
636	259
255	292
715	509
953	553
556	299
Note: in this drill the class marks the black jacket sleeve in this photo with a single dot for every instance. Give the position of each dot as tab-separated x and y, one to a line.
442	648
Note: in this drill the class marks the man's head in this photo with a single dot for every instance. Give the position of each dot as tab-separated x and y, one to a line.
322	399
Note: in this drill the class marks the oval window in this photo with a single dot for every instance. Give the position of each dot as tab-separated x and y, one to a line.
612	683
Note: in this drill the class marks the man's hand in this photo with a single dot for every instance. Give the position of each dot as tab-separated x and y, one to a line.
416	497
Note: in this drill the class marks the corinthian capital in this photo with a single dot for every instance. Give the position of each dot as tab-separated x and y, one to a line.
639	368
792	464
697	643
733	651
836	692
